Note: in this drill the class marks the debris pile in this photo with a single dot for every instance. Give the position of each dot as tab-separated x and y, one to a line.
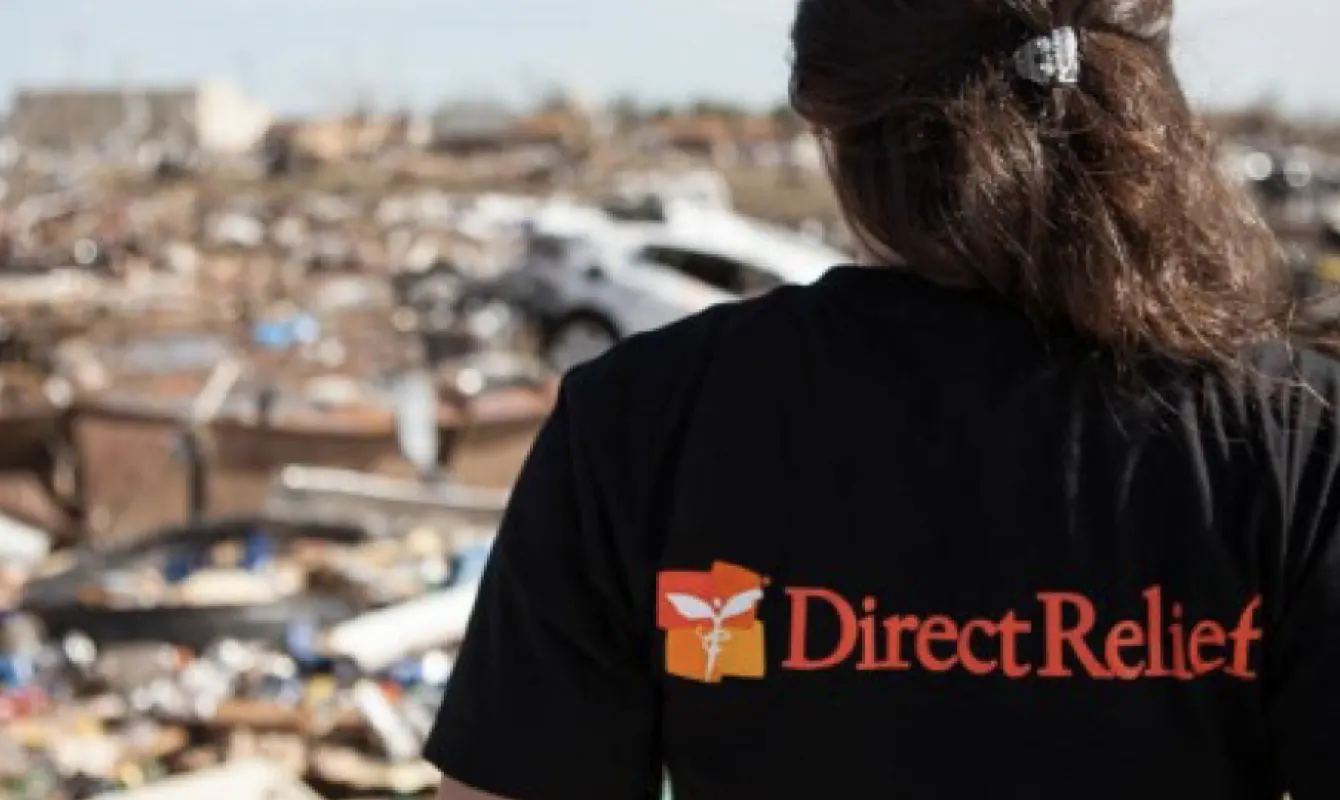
321	651
260	415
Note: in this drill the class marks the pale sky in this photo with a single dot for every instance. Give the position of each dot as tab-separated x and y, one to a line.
305	55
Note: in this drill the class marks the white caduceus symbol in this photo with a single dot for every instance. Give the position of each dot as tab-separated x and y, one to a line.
717	612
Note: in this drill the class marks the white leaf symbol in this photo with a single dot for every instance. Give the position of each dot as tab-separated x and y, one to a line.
690	607
741	603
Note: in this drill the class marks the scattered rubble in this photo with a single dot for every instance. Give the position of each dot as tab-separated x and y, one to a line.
208	646
259	434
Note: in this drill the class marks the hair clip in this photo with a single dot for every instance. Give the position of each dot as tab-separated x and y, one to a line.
1050	60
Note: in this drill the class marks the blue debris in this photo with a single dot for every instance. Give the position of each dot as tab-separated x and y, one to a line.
258	551
408	672
181	565
468	564
301	640
16	672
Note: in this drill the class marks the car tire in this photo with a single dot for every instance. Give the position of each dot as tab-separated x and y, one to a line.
577	339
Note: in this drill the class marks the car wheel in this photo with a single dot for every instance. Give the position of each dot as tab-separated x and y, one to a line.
579	339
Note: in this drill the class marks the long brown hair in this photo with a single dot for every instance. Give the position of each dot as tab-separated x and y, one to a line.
1100	207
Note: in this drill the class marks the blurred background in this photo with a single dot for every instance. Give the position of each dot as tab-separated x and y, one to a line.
285	290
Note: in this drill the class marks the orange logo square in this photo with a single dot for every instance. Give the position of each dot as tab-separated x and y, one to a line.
711	624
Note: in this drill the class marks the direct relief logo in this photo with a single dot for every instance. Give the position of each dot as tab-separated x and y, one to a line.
712	632
711	624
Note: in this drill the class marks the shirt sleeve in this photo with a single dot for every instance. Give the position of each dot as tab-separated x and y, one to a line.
553	695
1302	674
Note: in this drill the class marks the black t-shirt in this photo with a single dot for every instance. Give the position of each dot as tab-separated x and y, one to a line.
879	538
